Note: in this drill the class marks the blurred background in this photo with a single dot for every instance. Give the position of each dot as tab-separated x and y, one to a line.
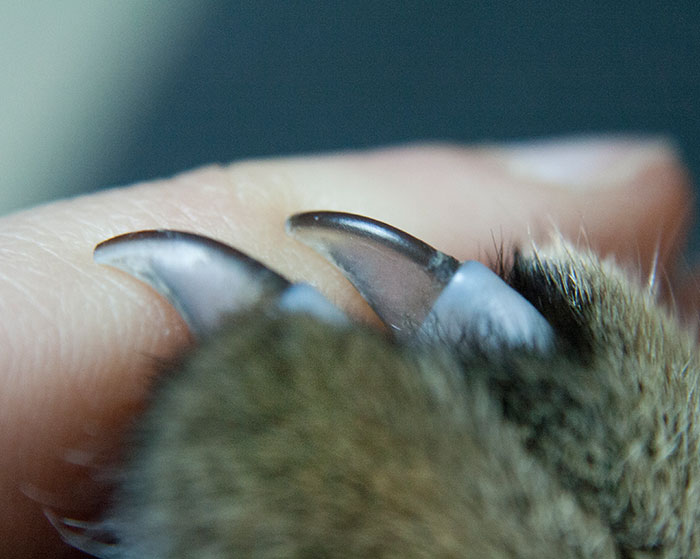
99	93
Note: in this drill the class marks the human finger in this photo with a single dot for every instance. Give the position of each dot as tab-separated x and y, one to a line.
81	342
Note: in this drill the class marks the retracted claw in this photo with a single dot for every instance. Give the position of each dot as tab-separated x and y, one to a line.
418	291
206	280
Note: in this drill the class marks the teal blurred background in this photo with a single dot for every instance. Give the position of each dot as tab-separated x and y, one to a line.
98	93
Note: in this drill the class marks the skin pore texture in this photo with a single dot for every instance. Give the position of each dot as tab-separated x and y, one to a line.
82	343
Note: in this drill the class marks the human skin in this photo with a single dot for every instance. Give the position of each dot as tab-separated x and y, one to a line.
82	342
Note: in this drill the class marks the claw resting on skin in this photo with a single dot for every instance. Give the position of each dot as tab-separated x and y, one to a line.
400	276
85	535
206	280
417	290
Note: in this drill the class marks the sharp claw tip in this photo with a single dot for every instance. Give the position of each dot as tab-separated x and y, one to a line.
300	220
102	255
98	253
290	225
103	251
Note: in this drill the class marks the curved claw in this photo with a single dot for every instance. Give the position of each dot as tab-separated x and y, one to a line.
205	280
85	535
400	276
419	291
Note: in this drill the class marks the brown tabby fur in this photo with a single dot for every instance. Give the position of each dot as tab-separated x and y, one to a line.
287	437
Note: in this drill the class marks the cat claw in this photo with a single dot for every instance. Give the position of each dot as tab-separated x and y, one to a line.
205	280
399	276
85	535
418	291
